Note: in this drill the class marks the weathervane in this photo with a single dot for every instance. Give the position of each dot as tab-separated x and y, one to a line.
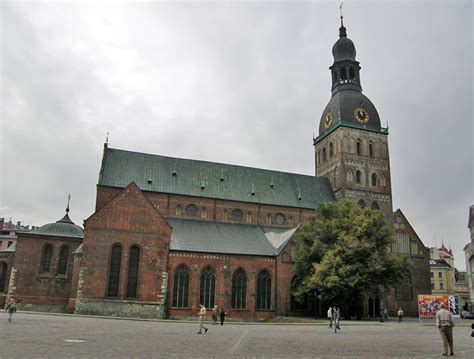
340	8
107	138
68	200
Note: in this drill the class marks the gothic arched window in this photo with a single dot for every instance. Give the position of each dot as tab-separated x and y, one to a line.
178	211
133	267
249	217
371	150
331	150
324	154
351	74
208	288
264	290
3	276
343	74
239	290
204	213
114	271
375	205
181	287
358	177
225	215
384	181
350	175
361	204
374	179
358	148
46	260
63	260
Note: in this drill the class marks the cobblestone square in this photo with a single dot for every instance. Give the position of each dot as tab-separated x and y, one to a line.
59	336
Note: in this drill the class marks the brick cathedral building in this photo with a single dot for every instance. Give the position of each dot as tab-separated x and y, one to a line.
168	234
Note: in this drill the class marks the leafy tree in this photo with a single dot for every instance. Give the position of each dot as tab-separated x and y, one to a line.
344	251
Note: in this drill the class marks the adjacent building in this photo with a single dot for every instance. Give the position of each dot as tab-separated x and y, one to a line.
469	255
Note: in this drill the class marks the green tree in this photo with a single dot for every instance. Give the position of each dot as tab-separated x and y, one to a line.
344	251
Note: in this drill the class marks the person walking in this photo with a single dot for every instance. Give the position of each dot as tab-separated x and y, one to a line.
202	316
10	308
214	315
337	319
222	315
400	315
385	314
330	314
445	324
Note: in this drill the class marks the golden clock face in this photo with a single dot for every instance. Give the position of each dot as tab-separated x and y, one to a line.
328	120
361	115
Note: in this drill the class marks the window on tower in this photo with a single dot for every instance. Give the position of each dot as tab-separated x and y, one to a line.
352	74
331	150
358	148
334	76
371	150
343	74
358	177
375	205
324	154
361	203
384	181
350	175
374	180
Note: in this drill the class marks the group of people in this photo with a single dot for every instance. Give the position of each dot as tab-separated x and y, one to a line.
334	316
399	314
215	315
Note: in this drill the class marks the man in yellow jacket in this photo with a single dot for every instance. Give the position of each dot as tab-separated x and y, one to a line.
445	323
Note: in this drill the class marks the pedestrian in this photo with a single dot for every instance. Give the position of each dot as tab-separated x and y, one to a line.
202	316
337	319
214	315
385	314
330	314
400	315
10	308
445	324
222	315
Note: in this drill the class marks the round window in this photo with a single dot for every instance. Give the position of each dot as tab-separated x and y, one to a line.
191	210
237	214
280	218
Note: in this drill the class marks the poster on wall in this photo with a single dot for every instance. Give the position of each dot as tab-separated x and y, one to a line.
428	305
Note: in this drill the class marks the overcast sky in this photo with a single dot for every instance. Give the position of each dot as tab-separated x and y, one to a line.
241	83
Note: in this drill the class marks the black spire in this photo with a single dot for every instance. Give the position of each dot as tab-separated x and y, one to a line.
66	218
342	29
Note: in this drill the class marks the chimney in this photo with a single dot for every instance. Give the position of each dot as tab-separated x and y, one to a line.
18	225
2	222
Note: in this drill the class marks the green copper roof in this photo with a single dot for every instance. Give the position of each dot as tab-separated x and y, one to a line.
62	228
155	173
228	238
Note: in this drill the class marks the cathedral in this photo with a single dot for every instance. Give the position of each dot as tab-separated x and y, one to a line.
169	234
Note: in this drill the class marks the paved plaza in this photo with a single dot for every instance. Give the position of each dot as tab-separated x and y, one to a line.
60	336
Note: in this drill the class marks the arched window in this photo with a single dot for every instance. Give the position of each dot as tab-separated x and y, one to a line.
324	154
384	181
358	177
63	260
371	150
350	175
178	211
343	74
293	250
358	148
133	267
3	276
352	73
114	271
239	290
225	216
375	205
204	213
181	287
264	290
269	218
249	217
361	204
290	222
374	180
208	288
331	150
334	76
46	260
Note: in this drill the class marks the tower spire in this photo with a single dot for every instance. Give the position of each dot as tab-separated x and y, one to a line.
68	200
342	29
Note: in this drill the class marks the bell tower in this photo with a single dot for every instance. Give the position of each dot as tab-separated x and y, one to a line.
351	149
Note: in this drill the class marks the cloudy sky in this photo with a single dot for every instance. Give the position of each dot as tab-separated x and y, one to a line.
236	82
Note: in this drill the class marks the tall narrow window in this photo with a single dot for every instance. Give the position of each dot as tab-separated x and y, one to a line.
358	176
358	148
249	217
264	290
374	180
114	271
225	215
204	213
239	290
132	277
290	222
3	276
384	181
375	205
350	175
371	150
343	74
334	76
324	154
208	288
46	260
331	150
63	260
352	73
181	287
269	218
178	211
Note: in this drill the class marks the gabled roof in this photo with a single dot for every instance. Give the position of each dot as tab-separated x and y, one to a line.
162	174
226	238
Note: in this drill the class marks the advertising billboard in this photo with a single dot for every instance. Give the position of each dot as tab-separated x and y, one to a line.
428	305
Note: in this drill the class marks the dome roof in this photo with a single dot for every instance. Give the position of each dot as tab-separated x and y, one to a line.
62	228
344	48
350	107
